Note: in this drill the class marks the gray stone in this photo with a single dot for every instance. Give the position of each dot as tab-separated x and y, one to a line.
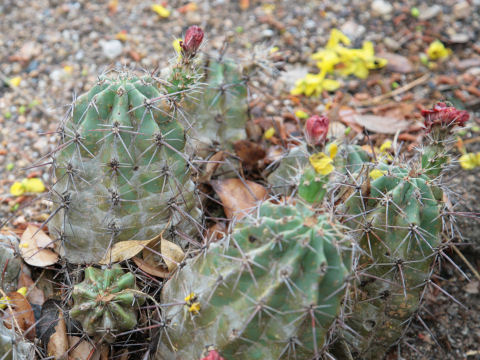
462	10
111	48
397	63
459	38
353	30
430	12
468	63
381	8
391	43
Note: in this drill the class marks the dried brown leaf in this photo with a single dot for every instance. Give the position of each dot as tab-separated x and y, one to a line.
151	269
238	197
81	349
35	248
172	254
20	315
125	250
58	344
381	124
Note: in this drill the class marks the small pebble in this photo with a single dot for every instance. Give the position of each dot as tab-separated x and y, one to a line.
111	48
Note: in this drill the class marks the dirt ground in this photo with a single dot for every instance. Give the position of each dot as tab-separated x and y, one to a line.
58	48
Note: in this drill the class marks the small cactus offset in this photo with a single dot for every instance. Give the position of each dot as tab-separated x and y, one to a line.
220	110
122	166
271	290
105	302
395	215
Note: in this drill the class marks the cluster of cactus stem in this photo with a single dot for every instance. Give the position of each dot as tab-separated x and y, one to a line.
271	290
105	302
280	283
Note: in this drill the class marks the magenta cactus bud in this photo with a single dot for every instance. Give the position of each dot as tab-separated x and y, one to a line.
213	355
316	129
193	40
444	115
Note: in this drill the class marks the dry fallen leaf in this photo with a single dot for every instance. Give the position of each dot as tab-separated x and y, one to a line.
172	254
154	270
20	315
81	349
238	197
58	343
381	124
36	248
125	250
212	165
249	152
34	294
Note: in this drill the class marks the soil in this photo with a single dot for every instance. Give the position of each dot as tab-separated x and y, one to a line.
58	49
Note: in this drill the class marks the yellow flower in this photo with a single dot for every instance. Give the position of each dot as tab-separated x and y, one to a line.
161	11
190	297
68	69
301	114
269	133
387	144
469	161
321	162
376	173
437	50
327	59
194	308
336	37
5	299
314	84
33	185
17	189
15	81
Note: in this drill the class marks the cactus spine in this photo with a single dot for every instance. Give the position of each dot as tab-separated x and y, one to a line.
269	291
394	213
122	167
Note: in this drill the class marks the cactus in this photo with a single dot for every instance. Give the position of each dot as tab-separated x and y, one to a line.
13	347
10	263
104	302
394	213
271	290
220	111
122	168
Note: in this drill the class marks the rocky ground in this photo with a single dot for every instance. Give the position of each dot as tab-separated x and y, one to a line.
58	49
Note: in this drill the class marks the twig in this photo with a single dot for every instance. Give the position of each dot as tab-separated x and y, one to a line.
397	91
470	266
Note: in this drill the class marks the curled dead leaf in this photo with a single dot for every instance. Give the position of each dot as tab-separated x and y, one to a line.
36	247
81	349
58	344
19	315
125	250
381	124
238	197
172	254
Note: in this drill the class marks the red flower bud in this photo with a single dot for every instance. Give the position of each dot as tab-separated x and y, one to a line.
443	115
193	39
213	355
316	129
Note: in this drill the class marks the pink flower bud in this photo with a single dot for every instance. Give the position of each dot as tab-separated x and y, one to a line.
193	39
213	355
316	129
443	115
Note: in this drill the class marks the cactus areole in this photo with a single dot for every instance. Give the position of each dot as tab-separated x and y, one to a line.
121	167
270	291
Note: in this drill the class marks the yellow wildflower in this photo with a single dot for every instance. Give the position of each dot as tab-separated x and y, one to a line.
68	69
314	84
301	114
15	81
190	297
469	161
387	144
5	299
321	162
33	185
161	11
336	37
269	133
376	173
194	308
437	50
